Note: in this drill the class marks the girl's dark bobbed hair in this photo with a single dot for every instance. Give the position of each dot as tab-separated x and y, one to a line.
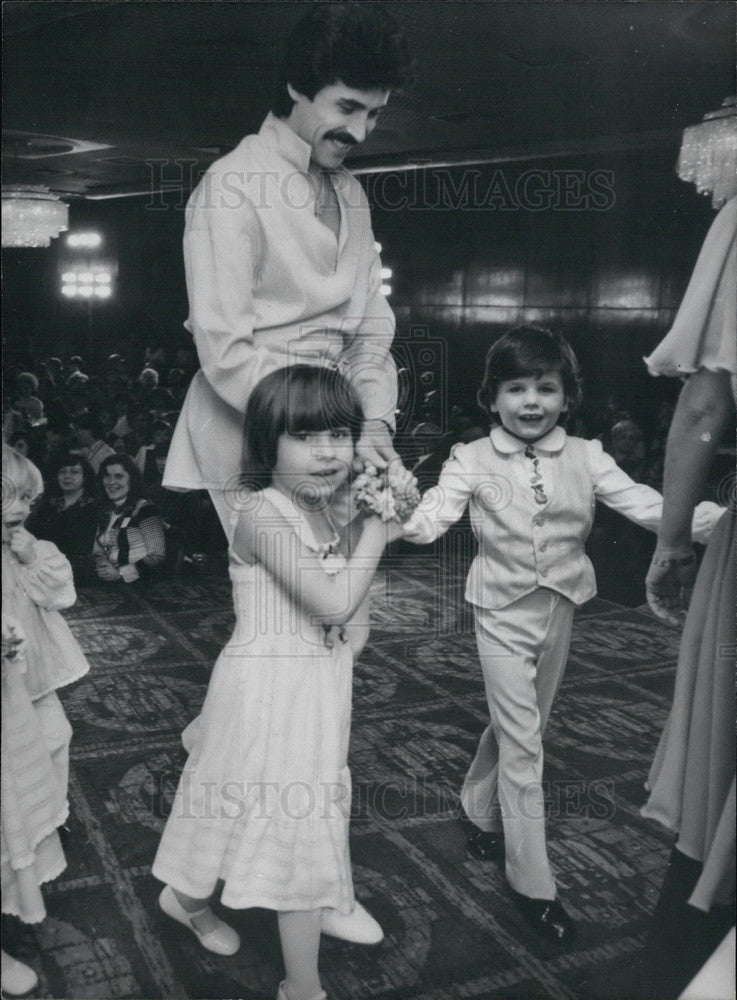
524	352
292	399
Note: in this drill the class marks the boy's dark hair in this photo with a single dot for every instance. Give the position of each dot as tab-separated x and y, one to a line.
360	44
529	351
295	398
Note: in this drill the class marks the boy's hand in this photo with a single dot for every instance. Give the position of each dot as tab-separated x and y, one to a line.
23	545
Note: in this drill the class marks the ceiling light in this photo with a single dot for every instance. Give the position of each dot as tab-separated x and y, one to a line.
32	215
89	240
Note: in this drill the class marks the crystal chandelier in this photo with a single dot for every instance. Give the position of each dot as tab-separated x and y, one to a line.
708	156
32	215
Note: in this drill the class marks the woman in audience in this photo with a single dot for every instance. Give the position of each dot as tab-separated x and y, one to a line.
130	540
68	515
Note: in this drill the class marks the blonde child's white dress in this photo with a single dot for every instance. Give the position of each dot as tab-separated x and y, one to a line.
36	732
263	803
33	802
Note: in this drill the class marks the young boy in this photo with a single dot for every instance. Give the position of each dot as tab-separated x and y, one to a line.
531	492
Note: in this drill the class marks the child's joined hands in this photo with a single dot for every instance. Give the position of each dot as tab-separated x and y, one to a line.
23	545
13	638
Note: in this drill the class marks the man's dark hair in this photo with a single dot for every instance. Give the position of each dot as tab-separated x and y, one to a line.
360	44
528	351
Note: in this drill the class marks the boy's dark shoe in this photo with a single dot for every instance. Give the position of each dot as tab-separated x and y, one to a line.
485	846
547	917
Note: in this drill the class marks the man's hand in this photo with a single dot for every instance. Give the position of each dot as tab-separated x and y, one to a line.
374	446
668	585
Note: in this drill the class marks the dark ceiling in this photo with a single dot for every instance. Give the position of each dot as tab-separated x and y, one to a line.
101	98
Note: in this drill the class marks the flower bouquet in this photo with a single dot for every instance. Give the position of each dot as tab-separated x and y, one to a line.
374	494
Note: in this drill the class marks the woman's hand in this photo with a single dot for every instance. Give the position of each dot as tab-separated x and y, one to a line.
106	571
669	584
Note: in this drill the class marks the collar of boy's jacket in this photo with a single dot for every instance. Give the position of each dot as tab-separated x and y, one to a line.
507	444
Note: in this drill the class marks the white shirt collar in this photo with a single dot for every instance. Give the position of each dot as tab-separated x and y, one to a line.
288	143
507	444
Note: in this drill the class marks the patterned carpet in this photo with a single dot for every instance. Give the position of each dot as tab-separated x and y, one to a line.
452	930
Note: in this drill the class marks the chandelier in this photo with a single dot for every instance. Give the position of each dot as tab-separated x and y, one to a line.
32	215
708	156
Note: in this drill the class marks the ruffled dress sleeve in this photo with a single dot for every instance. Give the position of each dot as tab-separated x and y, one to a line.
34	595
704	333
49	581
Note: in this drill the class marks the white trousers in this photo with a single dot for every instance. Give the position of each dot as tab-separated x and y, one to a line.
523	650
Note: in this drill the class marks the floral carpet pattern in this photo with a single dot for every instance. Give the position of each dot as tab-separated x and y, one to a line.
452	930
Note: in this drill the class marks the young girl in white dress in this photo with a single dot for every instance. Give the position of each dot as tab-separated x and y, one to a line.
39	656
264	800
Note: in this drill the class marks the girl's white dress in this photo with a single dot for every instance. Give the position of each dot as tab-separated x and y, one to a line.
263	803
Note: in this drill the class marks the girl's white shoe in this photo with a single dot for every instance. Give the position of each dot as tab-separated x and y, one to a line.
17	978
357	926
283	995
222	939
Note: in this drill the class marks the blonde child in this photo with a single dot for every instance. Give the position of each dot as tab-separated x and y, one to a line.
264	800
531	491
40	655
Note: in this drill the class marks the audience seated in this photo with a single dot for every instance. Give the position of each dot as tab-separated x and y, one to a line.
112	411
151	458
67	513
130	541
87	440
26	402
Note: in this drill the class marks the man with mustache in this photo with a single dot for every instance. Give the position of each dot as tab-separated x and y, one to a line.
280	257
